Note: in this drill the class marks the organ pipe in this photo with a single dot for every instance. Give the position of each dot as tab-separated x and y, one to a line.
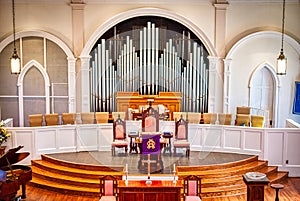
146	65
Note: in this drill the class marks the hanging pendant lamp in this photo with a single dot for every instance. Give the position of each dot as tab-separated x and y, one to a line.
282	60
15	64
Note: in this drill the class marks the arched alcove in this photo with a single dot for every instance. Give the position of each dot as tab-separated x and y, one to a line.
90	62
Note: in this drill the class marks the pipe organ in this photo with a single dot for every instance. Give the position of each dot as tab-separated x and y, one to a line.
149	60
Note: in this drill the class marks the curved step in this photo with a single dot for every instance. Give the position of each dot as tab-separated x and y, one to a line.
83	179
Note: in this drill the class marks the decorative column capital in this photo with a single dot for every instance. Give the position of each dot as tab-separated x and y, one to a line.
77	4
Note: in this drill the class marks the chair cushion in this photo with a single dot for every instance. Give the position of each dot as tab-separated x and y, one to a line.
192	198
181	143
119	143
108	198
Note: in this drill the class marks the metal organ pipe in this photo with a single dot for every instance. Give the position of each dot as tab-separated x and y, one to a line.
150	67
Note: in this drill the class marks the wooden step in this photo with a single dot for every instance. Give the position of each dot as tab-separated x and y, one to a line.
83	179
64	188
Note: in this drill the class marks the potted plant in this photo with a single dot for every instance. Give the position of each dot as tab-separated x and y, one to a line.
3	137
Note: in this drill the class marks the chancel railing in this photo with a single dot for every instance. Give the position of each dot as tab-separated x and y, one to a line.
149	60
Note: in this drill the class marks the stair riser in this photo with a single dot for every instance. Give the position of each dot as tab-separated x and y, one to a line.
67	182
83	166
65	191
63	172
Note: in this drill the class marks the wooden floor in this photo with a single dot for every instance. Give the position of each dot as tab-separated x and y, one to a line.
291	192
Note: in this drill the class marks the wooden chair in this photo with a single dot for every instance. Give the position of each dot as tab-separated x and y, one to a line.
242	120
225	119
177	115
243	110
108	188
51	119
87	117
209	118
257	121
192	188
101	117
181	136
116	114
119	136
35	120
68	118
150	120
193	117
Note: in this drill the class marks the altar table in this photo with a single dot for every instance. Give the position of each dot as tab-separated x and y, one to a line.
159	190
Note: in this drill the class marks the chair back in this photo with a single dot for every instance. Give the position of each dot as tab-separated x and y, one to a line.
150	120
257	121
192	186
51	119
178	115
35	120
209	118
181	129
108	186
242	120
119	129
243	110
115	115
68	118
225	119
194	117
102	117
87	117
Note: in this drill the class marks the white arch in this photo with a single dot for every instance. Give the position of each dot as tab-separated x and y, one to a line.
85	57
276	86
147	12
292	42
70	57
32	64
38	33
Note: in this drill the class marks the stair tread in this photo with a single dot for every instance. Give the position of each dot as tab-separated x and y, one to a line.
62	186
246	167
46	173
70	169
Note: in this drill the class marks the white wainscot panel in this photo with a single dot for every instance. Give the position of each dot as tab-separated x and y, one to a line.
133	126
105	137
45	140
211	138
66	138
275	148
87	137
194	134
167	126
232	139
25	139
253	140
293	149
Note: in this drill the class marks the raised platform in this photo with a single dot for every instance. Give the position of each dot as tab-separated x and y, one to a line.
78	173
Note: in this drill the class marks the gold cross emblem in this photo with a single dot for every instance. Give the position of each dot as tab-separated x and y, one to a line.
151	144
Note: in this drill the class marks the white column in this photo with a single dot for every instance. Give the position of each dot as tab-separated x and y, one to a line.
72	84
226	85
215	85
84	75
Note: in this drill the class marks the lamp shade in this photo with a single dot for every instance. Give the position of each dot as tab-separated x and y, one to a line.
281	64
15	65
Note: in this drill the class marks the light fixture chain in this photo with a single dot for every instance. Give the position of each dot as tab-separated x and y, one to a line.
14	23
283	18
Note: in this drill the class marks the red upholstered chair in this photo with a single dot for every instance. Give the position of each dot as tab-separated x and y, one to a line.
119	136
150	120
192	188
108	188
181	136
